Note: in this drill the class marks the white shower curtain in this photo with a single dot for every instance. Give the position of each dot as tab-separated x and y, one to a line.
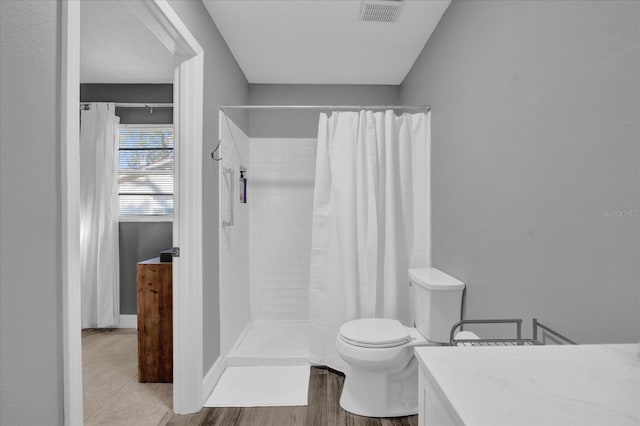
371	221
99	255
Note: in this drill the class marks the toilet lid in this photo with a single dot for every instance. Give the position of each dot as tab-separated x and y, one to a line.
375	332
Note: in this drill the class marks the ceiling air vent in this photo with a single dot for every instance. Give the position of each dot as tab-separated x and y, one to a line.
380	10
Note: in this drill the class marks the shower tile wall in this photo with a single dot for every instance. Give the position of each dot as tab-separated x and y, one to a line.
235	312
280	195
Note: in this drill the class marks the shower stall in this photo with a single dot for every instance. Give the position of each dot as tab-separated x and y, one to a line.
265	246
266	237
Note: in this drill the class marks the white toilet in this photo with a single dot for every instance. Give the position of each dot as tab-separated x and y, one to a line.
381	379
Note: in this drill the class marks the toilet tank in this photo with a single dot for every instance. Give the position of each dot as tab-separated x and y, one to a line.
437	301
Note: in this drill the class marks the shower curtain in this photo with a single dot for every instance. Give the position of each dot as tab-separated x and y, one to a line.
371	221
99	251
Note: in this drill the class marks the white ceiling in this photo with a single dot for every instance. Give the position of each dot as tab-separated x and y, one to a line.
323	41
274	41
116	48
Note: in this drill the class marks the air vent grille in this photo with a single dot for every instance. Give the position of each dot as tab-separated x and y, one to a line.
380	10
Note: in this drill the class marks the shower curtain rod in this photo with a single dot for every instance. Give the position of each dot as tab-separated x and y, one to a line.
335	107
425	108
138	105
134	105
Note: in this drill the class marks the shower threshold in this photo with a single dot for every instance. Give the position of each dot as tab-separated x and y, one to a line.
272	342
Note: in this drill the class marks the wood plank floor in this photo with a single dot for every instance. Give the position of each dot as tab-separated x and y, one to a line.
323	410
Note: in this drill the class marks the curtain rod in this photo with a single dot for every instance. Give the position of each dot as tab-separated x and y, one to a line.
316	107
138	105
152	105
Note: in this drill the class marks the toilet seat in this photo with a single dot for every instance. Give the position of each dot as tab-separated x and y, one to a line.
374	333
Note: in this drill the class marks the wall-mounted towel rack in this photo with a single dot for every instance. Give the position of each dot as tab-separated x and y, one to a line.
537	327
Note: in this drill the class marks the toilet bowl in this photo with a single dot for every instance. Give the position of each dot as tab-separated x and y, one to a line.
381	377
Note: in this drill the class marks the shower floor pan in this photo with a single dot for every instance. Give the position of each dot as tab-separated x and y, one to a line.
272	342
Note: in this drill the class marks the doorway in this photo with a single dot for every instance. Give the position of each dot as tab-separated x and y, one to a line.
164	23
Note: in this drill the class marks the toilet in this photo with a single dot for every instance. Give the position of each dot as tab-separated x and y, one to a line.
381	378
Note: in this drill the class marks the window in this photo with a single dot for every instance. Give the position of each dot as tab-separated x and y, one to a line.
145	170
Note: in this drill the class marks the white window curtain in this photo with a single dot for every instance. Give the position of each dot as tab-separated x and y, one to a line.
371	221
100	265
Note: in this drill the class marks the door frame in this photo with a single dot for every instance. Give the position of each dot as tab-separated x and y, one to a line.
166	25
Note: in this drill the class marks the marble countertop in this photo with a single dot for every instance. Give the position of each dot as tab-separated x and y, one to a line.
538	385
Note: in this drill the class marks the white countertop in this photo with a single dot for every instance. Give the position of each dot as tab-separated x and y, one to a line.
538	385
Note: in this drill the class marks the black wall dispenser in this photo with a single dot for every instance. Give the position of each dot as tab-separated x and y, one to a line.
243	185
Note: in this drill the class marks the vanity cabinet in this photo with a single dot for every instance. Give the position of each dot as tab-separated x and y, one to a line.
560	385
433	407
155	321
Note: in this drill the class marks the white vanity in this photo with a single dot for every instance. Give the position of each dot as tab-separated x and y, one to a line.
529	385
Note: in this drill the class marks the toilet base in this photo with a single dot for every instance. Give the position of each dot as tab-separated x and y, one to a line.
375	393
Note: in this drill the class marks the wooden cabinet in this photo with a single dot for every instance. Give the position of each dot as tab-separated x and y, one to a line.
155	321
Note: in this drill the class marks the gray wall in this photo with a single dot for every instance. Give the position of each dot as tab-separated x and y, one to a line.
138	240
224	83
304	124
30	272
132	93
535	139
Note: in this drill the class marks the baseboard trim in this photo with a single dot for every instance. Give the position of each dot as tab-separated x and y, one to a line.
128	321
211	378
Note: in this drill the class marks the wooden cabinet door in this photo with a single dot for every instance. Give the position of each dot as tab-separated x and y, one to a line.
155	322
